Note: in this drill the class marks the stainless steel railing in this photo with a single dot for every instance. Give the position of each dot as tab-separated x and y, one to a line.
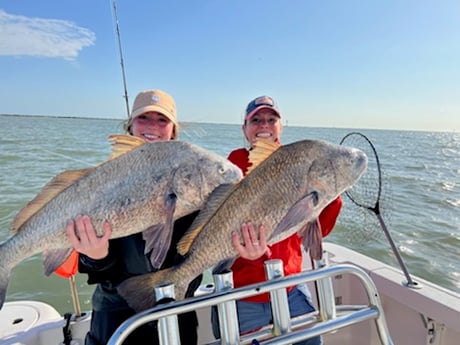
284	330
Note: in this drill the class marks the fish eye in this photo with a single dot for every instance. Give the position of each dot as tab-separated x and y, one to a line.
315	195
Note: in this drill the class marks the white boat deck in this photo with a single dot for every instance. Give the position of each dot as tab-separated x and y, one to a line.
427	314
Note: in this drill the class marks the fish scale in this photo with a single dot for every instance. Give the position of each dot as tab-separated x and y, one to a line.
132	191
285	190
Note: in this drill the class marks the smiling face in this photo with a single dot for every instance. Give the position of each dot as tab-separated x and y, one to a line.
153	126
266	123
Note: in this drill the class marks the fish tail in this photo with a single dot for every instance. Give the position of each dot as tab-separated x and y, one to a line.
5	274
139	291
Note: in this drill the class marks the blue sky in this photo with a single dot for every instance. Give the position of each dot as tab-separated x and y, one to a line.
357	64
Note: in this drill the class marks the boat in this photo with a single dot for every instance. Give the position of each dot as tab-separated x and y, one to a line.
360	301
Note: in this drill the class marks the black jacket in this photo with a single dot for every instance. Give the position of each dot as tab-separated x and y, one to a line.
126	259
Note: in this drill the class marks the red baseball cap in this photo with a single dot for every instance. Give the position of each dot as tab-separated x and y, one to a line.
262	102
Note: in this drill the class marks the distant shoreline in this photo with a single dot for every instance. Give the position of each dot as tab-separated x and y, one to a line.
63	117
232	124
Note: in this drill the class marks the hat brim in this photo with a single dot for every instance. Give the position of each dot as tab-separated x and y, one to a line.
156	108
252	113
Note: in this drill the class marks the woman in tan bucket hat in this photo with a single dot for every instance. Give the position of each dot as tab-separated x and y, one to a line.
110	262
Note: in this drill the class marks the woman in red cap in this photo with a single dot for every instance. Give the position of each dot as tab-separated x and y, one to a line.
263	120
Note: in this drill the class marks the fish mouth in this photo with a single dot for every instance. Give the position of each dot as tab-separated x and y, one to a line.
357	164
360	162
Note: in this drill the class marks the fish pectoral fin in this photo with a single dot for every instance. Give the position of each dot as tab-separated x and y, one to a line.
262	149
157	241
158	237
214	201
313	239
296	215
52	259
57	185
122	143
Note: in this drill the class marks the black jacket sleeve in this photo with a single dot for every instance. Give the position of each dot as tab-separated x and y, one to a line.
173	257
106	269
126	256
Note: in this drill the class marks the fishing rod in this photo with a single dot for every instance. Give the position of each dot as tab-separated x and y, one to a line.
117	28
69	268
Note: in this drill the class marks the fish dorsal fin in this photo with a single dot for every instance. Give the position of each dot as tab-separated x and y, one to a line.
122	143
262	148
215	199
53	188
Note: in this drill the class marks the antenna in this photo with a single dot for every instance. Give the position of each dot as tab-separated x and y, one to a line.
121	55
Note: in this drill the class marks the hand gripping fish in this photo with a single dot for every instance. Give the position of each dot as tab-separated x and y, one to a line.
286	190
143	187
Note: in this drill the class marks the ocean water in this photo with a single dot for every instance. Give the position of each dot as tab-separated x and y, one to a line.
420	201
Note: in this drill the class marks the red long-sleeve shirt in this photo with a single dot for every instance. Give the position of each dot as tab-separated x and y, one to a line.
247	272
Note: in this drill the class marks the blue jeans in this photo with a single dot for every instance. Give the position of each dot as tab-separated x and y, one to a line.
253	315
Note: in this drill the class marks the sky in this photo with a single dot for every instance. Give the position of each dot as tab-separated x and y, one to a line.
391	64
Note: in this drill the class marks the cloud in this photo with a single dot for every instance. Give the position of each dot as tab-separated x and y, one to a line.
55	38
